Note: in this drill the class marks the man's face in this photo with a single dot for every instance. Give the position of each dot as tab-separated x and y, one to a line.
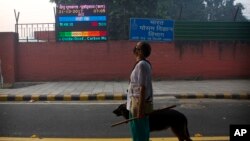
137	49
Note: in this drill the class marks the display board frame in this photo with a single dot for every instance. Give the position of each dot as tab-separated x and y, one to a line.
81	22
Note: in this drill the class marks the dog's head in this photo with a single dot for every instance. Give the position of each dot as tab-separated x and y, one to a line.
122	111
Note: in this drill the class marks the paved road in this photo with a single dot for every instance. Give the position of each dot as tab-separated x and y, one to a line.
207	117
111	139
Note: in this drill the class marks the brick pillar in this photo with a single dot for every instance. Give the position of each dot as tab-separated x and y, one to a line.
8	45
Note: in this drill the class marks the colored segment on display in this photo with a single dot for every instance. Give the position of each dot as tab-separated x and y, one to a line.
81	19
83	33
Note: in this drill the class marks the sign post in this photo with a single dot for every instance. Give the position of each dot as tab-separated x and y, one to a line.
151	29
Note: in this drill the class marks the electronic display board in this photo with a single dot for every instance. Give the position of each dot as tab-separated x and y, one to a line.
81	22
151	29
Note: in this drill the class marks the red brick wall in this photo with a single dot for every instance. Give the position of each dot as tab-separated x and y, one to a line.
74	61
202	60
45	35
113	60
8	44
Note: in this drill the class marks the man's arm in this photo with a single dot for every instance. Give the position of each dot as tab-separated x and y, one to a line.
141	102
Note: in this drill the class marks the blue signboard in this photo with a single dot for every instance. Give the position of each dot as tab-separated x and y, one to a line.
151	29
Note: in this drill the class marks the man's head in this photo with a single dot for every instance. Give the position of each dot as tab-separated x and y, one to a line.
142	49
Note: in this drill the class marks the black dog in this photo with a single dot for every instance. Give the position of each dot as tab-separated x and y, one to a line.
163	119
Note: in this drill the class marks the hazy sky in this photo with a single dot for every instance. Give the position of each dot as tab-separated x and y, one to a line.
41	11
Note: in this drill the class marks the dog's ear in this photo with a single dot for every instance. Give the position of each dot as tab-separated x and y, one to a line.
124	105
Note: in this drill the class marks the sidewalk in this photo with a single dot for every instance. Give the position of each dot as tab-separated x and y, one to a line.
113	90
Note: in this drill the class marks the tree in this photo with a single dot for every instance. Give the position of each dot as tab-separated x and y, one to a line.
223	10
200	10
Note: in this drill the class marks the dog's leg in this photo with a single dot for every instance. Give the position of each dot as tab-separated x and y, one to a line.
182	133
187	136
179	132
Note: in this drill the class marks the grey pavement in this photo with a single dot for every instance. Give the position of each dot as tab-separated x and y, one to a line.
119	87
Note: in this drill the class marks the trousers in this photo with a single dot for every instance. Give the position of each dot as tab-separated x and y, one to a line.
140	128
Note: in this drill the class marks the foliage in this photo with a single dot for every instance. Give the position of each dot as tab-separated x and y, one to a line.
200	10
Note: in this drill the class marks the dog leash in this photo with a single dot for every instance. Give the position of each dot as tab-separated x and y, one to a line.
128	120
125	121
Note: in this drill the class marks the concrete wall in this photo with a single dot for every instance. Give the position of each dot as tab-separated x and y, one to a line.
113	60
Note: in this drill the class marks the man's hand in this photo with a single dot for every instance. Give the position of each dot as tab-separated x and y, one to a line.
141	115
